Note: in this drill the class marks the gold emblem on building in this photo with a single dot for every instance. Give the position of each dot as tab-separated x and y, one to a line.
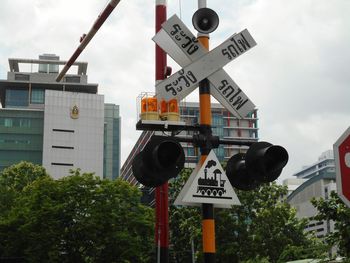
74	113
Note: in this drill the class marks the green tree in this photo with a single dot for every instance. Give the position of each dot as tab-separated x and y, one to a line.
334	209
263	228
317	250
79	218
13	179
185	224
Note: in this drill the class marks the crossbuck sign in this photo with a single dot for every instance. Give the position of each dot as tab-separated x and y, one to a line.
197	64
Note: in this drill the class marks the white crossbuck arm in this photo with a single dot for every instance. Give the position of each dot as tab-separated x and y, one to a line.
178	41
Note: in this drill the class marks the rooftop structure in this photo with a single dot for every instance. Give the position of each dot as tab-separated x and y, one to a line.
324	165
36	74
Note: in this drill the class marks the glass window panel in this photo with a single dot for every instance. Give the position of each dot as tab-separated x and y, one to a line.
38	96
220	153
190	152
217	120
16	98
53	68
43	68
24	123
15	122
8	122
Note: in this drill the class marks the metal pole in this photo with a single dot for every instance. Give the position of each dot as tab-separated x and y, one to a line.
161	192
192	248
208	222
86	38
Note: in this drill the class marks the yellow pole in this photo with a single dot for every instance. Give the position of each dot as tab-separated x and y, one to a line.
208	223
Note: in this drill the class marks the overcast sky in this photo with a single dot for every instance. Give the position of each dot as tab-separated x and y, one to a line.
298	75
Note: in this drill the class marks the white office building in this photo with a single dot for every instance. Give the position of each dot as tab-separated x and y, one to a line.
73	132
317	181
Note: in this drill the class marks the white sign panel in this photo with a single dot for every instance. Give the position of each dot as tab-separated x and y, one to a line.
188	49
209	184
180	34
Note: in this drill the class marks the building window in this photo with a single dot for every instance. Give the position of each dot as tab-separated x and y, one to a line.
22	77
15	141
217	120
16	98
25	123
73	79
15	122
48	68
53	68
43	68
8	122
220	152
190	151
37	96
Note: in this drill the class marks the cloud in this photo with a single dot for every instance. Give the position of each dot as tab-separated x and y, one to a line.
297	75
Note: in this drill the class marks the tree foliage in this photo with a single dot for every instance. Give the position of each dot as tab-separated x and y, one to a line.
263	226
184	224
79	218
263	229
13	179
334	209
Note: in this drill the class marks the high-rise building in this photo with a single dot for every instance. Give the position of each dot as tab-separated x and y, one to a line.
224	125
324	165
318	180
112	138
61	125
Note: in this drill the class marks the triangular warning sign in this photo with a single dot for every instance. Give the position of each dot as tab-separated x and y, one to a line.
208	184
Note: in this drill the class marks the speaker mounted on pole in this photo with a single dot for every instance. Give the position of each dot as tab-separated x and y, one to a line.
205	20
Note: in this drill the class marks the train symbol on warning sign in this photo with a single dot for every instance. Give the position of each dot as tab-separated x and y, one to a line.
211	186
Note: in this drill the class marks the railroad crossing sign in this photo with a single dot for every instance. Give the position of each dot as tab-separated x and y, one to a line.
341	150
197	64
208	184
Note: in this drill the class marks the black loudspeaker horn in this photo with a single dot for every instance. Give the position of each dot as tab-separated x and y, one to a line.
161	159
205	20
262	163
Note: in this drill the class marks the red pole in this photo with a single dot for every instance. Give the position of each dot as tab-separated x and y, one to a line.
161	193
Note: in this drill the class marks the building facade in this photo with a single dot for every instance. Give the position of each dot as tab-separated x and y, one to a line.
324	165
60	125
318	186
224	125
112	139
21	136
319	181
73	132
